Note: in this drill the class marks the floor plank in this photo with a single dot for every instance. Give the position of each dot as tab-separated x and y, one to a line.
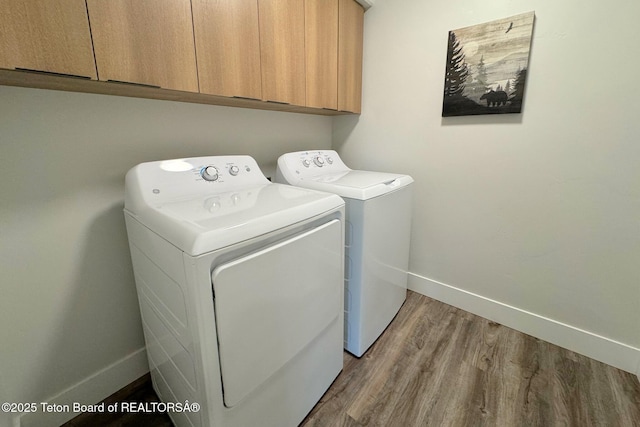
437	365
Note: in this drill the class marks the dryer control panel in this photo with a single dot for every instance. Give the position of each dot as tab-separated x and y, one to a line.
159	182
221	171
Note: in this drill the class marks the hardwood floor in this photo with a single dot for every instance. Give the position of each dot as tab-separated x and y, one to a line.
139	391
437	365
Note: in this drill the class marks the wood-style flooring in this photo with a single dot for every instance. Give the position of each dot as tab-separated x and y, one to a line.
437	365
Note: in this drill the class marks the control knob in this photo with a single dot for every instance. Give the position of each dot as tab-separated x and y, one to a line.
233	170
209	173
319	161
212	204
306	163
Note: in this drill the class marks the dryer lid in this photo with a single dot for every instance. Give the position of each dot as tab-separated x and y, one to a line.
271	304
204	224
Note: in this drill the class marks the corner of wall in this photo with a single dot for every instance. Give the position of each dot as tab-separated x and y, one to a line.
89	391
597	347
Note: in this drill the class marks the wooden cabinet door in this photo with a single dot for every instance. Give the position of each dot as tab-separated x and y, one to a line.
321	40
145	41
46	35
350	34
228	47
282	50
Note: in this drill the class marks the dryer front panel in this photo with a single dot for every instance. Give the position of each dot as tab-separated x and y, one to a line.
272	303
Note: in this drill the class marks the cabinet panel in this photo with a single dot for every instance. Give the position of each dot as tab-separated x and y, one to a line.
351	26
282	50
228	47
46	35
145	41
321	40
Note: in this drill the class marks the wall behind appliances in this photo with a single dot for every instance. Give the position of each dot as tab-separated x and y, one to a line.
531	220
69	312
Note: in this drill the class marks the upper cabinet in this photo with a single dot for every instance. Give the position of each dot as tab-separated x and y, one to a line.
228	47
350	39
148	42
45	35
321	53
282	50
298	55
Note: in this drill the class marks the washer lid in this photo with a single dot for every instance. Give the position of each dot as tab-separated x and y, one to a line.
356	184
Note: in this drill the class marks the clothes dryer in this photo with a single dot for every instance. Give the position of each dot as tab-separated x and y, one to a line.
378	227
239	282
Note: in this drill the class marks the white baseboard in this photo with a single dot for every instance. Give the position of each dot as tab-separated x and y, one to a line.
597	347
91	390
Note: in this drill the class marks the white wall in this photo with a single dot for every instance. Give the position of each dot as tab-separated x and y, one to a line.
531	219
70	321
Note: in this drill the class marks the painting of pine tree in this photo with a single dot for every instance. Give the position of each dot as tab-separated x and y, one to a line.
486	67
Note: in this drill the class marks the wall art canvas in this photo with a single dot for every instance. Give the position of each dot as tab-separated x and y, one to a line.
486	67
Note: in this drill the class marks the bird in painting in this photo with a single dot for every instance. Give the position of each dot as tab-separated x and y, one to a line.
509	29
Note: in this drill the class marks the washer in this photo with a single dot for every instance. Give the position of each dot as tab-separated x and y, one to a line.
240	284
378	228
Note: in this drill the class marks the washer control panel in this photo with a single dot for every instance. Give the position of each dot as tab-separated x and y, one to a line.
311	163
318	159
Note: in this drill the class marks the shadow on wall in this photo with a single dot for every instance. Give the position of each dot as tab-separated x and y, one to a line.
100	304
492	119
343	126
5	418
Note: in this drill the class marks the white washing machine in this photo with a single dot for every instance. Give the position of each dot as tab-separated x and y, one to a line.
240	284
378	228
